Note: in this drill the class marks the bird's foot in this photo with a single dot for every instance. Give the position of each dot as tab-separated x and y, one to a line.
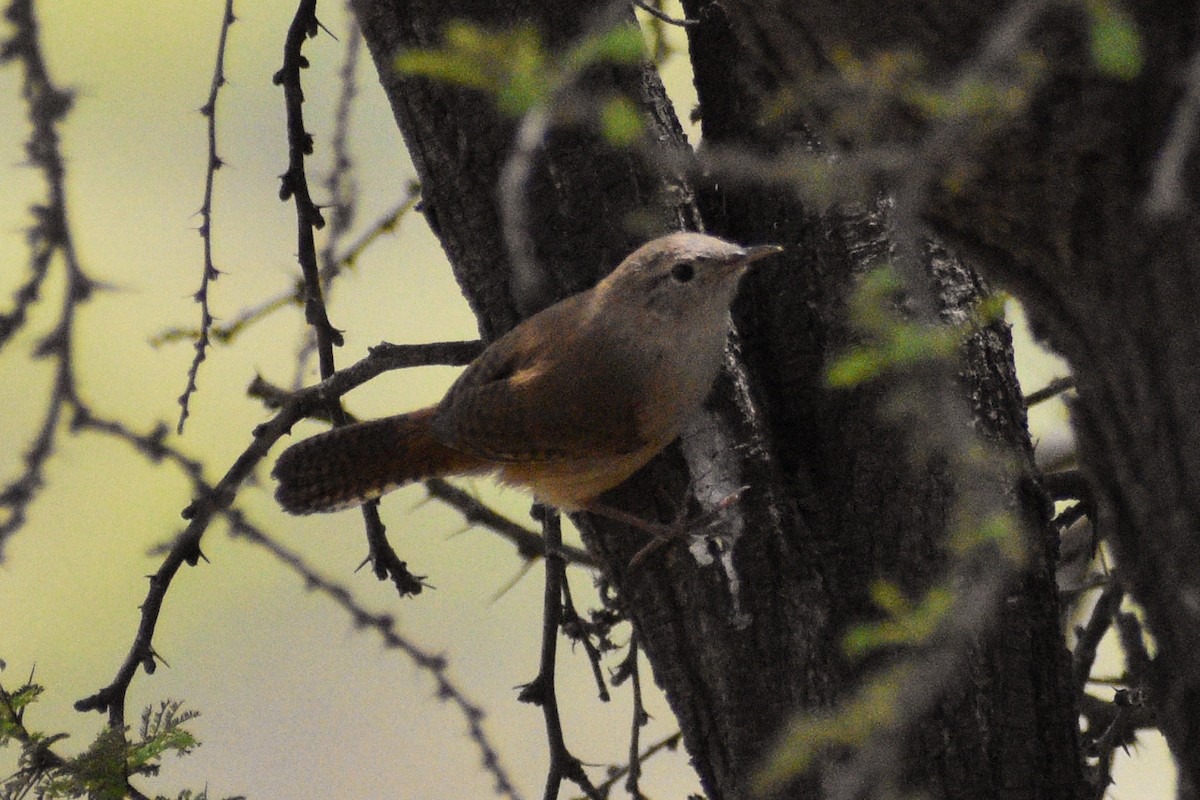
663	534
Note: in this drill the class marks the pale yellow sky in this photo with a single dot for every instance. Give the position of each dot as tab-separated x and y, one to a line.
295	701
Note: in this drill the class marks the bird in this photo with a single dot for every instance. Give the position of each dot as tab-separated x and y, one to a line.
566	405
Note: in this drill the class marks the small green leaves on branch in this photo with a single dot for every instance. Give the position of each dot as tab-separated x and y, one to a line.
517	68
620	121
893	342
102	771
873	708
1113	40
905	622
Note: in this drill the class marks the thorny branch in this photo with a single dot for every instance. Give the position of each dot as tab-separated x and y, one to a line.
340	184
217	500
662	16
577	629
209	271
541	690
49	236
666	743
628	669
227	332
529	544
1111	725
294	185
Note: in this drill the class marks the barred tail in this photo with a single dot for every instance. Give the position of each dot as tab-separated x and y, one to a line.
349	465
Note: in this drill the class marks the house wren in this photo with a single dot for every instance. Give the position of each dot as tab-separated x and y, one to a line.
566	405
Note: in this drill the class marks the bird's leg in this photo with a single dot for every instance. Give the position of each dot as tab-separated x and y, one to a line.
663	534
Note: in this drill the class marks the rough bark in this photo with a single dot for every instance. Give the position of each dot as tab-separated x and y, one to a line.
1056	207
740	647
872	517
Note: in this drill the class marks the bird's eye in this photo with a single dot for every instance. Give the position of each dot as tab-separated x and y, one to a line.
683	272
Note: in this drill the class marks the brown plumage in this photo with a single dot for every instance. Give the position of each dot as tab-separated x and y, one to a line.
346	466
567	405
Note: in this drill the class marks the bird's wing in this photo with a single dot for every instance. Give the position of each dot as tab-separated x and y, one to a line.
539	396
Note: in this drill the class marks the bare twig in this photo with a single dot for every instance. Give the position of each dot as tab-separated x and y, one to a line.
1051	390
575	628
294	183
384	560
227	332
49	236
340	184
663	16
628	670
47	105
540	691
212	501
209	271
383	357
1088	637
529	544
666	743
384	225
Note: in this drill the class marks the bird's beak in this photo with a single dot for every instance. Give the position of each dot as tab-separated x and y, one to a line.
758	251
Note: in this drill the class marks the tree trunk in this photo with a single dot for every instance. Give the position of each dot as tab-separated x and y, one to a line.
742	638
1076	206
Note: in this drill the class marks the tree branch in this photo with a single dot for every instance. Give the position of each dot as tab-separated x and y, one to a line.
209	271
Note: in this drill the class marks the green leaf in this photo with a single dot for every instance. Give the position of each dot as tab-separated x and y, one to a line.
1116	45
872	708
11	710
516	68
1000	530
911	343
906	624
443	66
620	45
853	368
100	770
620	122
510	64
887	596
